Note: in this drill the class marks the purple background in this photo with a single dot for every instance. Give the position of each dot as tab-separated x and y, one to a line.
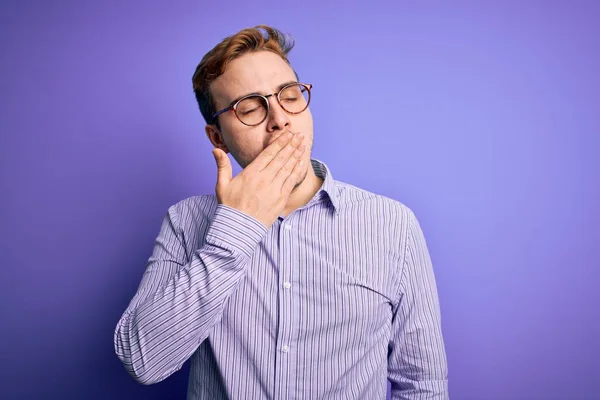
482	117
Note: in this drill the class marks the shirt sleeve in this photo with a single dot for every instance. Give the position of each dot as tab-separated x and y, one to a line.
180	298
417	365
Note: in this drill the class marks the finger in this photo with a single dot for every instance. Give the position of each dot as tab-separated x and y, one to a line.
224	170
293	178
269	153
283	156
288	168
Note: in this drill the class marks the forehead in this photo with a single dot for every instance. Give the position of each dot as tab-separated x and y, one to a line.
259	72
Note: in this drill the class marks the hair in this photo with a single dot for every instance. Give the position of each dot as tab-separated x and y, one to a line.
214	63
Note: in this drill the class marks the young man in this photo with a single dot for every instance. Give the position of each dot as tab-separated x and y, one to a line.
286	284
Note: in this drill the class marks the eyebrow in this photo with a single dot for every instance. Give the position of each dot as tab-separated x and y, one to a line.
255	93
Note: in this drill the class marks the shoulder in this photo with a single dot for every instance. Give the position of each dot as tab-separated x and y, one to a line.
379	216
353	198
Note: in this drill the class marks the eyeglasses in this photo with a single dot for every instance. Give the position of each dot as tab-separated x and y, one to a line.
253	109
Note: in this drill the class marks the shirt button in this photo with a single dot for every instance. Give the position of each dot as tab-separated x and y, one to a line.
285	349
287	227
287	285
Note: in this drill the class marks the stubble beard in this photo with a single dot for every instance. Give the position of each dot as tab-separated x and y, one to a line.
301	180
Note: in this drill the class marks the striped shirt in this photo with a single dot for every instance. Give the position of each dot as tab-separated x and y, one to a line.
328	303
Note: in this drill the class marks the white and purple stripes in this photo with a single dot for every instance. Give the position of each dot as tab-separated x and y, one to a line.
328	303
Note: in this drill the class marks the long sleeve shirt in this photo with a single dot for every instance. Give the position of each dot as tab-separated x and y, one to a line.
328	303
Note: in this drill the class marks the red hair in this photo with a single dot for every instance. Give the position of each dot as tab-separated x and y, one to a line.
214	63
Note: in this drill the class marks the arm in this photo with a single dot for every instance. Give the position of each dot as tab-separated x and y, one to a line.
181	297
417	366
178	302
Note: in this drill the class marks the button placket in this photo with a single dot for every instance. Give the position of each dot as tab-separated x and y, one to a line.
285	365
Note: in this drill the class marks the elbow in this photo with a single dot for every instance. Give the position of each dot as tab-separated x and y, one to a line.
143	376
129	352
140	370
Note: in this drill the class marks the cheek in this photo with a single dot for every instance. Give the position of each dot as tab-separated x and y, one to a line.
308	117
304	123
247	144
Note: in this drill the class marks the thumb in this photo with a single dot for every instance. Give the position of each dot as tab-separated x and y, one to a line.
224	171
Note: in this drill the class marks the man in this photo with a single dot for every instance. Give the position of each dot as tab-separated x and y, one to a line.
287	284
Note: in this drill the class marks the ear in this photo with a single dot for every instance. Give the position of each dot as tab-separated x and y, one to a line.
215	137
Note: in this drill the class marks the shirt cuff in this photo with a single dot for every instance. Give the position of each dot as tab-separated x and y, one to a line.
235	230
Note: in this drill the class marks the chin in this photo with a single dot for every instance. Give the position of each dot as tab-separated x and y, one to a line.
302	178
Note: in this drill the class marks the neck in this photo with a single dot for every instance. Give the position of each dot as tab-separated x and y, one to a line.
304	192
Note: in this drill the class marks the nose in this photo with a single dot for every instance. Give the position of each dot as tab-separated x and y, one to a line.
278	119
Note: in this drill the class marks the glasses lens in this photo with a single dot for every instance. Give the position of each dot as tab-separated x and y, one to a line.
295	98
252	110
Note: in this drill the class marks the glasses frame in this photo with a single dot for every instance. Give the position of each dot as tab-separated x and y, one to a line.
234	105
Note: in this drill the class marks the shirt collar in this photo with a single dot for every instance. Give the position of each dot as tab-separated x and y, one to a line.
329	189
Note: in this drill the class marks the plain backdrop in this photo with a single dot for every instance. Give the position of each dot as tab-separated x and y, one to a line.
483	117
